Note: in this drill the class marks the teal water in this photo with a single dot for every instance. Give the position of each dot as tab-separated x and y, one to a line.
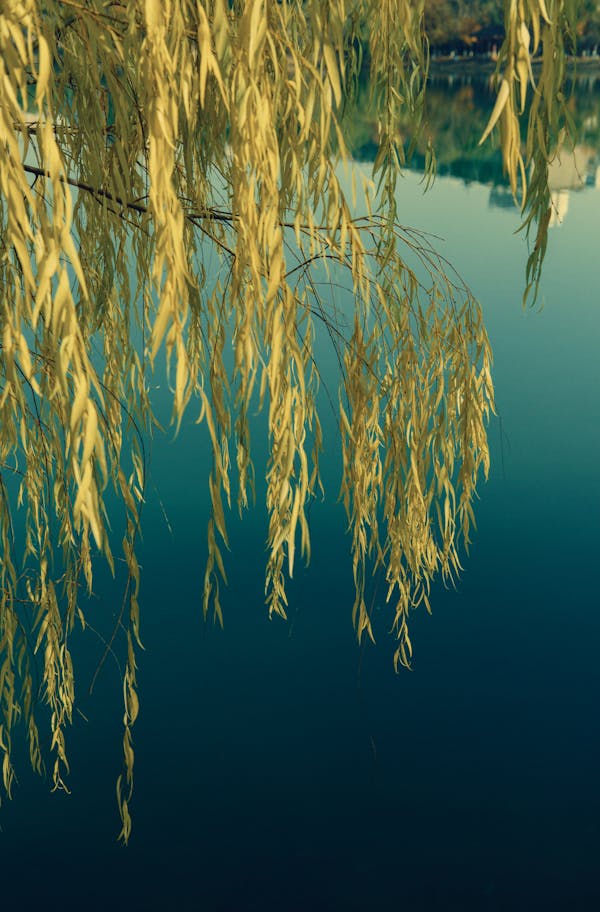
278	766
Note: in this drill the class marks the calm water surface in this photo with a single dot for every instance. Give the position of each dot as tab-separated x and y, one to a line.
279	767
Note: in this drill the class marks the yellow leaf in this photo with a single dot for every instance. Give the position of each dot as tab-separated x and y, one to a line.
44	70
333	72
501	100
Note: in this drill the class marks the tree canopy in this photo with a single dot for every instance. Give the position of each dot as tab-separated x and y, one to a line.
170	182
478	25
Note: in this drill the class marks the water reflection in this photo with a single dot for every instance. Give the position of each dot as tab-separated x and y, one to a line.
571	170
458	107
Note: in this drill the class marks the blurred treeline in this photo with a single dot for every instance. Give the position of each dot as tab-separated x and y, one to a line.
478	25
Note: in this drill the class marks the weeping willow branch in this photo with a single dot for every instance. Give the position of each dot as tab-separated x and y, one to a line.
548	30
186	199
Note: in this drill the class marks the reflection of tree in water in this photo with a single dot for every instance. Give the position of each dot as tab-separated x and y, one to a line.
573	169
458	107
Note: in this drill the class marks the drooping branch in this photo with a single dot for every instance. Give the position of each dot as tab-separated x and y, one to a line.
240	104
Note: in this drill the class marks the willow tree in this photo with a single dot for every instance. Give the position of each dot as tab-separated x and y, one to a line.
169	184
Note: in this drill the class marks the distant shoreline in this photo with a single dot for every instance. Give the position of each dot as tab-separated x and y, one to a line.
460	65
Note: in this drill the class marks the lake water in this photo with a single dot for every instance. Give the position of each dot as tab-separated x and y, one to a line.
279	766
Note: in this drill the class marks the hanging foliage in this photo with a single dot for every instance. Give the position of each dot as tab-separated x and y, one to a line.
139	139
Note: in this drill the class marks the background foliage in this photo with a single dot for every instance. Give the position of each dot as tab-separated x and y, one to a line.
478	25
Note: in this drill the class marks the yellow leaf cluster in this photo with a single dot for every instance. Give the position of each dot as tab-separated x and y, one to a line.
537	35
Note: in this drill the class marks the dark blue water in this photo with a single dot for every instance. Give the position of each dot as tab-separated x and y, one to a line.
279	766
